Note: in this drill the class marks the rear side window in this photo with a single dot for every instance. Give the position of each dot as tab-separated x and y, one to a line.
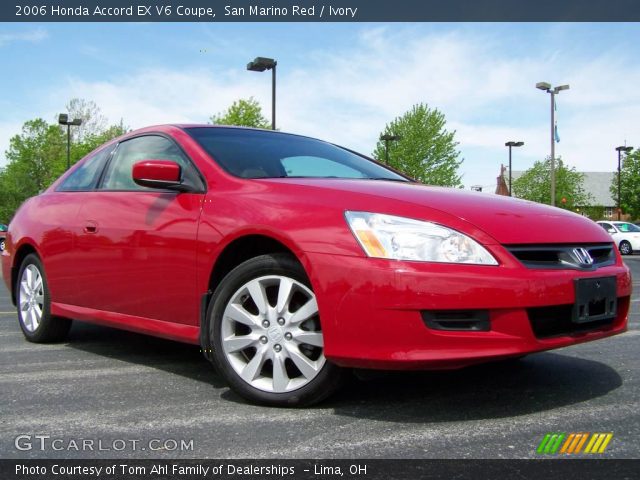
86	175
606	226
150	147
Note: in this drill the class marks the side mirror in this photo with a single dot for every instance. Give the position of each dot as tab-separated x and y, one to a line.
164	174
611	230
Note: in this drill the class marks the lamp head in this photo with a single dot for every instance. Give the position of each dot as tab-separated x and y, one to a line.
260	64
389	137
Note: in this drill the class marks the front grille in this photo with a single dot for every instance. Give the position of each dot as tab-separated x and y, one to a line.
556	321
577	257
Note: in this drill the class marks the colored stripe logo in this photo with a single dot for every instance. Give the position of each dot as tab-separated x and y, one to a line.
574	443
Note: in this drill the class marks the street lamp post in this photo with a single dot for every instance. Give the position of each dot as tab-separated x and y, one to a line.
510	145
388	138
260	64
63	119
626	150
553	91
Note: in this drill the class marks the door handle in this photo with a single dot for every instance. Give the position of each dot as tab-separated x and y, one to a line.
91	227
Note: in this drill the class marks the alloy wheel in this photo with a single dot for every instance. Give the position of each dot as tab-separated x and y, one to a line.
625	248
271	334
31	297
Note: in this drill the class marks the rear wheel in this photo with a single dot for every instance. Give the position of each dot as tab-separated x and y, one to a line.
625	248
34	304
266	334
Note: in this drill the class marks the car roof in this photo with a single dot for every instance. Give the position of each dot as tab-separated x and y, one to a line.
167	127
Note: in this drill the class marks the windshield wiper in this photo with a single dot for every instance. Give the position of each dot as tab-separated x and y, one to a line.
303	176
401	180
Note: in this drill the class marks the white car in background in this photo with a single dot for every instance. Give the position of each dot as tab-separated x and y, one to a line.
3	234
625	234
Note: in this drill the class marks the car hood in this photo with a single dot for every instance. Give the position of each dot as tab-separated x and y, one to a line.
507	220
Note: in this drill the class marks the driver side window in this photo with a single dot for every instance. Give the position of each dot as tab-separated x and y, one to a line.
150	147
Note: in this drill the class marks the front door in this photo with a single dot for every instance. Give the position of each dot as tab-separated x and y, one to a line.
136	253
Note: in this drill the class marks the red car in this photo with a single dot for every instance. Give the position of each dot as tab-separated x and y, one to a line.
289	259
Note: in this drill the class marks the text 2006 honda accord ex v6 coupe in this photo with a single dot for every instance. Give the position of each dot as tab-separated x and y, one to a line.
289	260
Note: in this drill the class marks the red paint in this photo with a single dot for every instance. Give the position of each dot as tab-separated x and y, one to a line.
142	260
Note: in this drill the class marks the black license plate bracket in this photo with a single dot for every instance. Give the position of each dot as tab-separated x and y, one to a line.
596	299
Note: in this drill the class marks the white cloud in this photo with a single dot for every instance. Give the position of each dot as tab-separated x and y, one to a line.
159	96
32	36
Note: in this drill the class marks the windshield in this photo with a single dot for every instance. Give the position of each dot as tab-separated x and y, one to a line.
627	227
267	154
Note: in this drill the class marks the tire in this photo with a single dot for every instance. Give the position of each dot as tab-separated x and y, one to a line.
625	248
2	244
34	304
261	317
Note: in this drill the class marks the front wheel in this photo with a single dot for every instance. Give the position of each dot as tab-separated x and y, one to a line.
625	248
266	334
34	305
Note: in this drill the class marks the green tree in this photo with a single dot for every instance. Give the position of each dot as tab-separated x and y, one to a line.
35	158
535	185
242	113
38	155
426	151
92	141
93	122
629	185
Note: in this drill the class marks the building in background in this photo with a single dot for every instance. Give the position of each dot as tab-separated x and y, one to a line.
501	187
597	184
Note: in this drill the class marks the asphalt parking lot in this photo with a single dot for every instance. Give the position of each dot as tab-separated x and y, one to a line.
120	388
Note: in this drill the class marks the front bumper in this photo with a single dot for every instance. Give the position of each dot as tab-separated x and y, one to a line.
371	310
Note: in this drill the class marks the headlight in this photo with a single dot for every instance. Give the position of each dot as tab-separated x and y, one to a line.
399	238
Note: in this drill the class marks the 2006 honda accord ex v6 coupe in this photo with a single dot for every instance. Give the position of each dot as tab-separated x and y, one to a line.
289	260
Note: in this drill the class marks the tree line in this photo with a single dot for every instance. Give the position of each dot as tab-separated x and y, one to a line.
423	149
36	156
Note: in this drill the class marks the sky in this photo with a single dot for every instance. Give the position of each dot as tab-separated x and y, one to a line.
344	82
